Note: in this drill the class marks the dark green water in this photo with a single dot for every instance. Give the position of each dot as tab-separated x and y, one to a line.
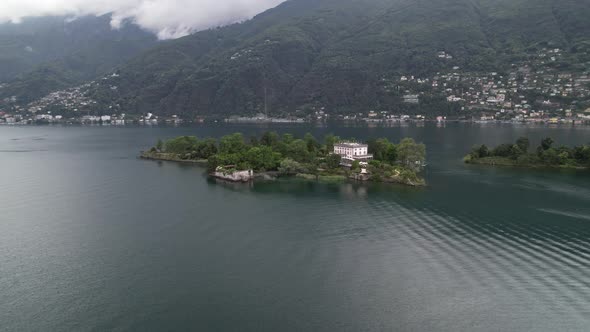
92	238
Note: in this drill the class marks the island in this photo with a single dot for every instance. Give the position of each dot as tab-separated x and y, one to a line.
518	155
235	158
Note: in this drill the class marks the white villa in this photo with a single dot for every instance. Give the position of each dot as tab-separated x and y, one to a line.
351	152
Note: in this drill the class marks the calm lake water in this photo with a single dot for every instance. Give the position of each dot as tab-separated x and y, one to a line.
92	238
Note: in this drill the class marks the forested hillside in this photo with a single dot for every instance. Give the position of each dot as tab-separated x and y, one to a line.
337	54
40	55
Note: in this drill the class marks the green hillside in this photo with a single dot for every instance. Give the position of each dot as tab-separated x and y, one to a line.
336	54
45	54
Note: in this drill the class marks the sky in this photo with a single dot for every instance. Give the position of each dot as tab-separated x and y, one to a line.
166	18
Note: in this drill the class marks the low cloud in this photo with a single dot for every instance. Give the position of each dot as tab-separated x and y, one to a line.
166	18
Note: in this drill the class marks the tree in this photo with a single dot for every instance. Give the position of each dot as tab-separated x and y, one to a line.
582	154
232	143
383	150
254	141
297	150
391	153
550	157
502	150
515	152
181	145
288	138
330	141
263	158
290	167
411	154
483	151
159	145
270	138
312	143
546	143
207	148
523	143
333	160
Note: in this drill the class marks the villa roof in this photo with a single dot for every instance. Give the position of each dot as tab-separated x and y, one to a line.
351	145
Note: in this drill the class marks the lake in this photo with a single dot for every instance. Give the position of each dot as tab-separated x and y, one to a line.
92	238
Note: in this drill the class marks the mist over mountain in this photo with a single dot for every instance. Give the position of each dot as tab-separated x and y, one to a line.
166	18
40	55
336	54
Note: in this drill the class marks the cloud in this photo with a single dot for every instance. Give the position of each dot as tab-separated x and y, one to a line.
166	18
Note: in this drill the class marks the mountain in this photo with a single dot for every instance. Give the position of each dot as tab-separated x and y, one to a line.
45	54
337	54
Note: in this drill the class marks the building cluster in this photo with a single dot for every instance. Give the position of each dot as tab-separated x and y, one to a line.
535	90
532	91
75	106
70	100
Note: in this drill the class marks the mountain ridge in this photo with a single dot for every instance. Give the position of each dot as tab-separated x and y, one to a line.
307	55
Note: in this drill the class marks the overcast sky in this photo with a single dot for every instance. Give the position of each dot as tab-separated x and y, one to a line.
166	18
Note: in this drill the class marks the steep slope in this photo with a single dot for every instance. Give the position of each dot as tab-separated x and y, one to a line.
336	54
41	55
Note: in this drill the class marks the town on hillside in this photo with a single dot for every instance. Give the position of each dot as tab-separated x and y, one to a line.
539	90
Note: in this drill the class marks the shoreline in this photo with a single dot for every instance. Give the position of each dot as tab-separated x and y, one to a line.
273	175
368	122
159	156
509	163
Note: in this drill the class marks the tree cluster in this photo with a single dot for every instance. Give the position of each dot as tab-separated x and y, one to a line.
289	155
408	153
545	153
188	147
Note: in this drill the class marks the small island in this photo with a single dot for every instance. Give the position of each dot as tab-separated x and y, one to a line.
234	158
518	155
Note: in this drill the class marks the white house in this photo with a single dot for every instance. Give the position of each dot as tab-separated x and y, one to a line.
351	152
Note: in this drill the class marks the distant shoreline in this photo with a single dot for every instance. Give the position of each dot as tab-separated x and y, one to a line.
545	156
384	122
509	163
169	157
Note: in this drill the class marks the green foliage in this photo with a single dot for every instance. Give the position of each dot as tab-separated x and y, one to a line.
254	141
383	150
330	140
411	154
291	167
481	151
263	158
293	156
516	151
502	150
333	54
546	155
188	147
333	160
270	138
45	54
297	150
301	55
546	143
523	143
232	144
207	148
312	144
182	144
